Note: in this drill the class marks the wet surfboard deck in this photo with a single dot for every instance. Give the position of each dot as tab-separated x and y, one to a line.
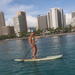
41	59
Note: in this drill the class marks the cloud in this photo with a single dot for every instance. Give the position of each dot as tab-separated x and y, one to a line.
9	22
5	3
31	21
38	12
13	9
16	8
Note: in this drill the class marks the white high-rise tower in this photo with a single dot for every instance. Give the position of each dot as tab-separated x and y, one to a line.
55	18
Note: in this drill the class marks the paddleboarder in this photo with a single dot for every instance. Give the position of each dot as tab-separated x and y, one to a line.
33	45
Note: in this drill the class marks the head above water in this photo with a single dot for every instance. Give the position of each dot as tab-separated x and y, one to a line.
32	33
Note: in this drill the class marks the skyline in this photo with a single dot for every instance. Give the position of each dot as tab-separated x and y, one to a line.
33	8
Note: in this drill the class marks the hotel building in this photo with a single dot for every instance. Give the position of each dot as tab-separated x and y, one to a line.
42	22
2	19
20	23
55	18
6	30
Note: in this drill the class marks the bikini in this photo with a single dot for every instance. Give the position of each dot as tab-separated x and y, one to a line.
34	40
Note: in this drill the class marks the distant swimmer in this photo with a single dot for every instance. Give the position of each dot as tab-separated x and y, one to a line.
33	45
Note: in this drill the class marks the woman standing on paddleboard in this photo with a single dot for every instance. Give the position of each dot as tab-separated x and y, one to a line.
32	44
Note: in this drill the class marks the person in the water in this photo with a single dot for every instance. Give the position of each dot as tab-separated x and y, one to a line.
32	44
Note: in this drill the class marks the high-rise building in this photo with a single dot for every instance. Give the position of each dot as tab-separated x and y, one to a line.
68	17
2	19
20	23
61	18
73	14
42	22
56	18
7	30
49	19
73	19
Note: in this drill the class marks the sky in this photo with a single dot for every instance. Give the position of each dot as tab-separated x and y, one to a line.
33	8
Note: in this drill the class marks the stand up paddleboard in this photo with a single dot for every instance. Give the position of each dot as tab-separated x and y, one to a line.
41	59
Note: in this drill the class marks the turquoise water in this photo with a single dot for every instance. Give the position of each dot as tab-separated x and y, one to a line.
9	50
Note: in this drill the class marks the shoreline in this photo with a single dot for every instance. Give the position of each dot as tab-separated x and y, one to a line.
41	36
52	35
72	33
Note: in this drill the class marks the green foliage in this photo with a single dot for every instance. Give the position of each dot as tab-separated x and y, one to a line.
68	29
51	30
2	37
60	30
38	32
22	34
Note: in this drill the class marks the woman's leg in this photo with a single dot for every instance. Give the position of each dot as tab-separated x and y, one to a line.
34	51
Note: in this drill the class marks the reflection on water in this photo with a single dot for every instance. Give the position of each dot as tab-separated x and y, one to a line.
9	50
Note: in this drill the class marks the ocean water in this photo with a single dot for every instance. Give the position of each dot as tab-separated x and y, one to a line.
65	45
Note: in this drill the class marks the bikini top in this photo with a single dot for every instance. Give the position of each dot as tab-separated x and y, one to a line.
33	38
